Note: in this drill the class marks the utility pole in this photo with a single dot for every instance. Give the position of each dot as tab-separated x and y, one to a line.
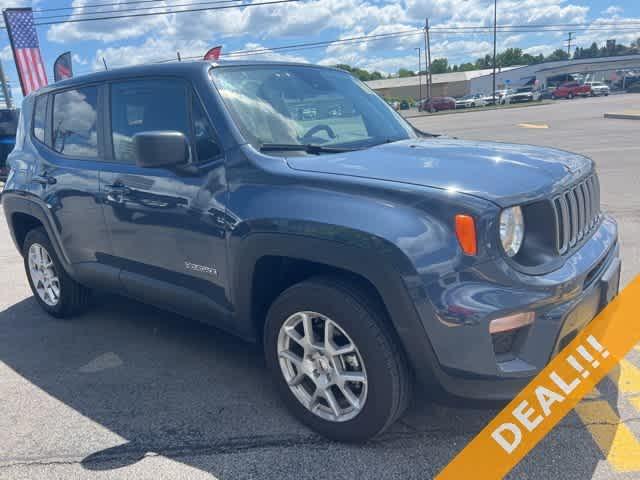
495	32
427	52
5	88
569	43
419	78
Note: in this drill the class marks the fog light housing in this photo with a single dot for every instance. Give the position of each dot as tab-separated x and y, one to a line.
505	331
511	322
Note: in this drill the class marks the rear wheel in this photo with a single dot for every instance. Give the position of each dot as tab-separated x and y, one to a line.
570	96
335	362
56	292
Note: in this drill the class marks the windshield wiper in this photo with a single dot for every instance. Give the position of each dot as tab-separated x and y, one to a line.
297	147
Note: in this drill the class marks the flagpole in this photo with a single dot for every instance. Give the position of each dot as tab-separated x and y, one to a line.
5	90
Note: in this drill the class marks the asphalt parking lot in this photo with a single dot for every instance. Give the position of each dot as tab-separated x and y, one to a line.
128	391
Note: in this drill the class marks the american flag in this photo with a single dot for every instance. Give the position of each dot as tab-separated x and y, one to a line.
26	49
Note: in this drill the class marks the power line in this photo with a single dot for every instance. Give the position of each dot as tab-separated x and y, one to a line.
148	14
94	5
341	41
69	15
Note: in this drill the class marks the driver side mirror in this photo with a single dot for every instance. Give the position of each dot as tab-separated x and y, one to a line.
157	149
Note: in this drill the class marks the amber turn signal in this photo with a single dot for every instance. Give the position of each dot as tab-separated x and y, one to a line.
466	233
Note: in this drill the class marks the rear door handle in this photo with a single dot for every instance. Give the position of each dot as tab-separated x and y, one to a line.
44	179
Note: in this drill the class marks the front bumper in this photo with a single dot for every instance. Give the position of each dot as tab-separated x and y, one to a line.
462	304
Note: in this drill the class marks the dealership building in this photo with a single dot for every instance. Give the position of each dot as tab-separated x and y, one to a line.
458	84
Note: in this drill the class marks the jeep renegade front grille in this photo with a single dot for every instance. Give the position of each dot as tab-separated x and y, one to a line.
576	213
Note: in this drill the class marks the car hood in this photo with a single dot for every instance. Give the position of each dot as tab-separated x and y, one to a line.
503	173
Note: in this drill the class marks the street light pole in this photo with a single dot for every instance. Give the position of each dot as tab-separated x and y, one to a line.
419	78
427	52
495	22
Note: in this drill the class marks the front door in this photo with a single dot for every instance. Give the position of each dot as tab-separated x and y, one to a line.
167	225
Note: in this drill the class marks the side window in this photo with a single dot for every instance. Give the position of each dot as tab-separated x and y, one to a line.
40	117
74	122
207	147
145	105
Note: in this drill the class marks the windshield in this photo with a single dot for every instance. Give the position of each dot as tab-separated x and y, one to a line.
300	105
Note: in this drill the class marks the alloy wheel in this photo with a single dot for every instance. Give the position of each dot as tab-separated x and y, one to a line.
322	366
43	275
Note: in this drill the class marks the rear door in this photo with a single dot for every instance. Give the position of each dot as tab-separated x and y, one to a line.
68	142
167	226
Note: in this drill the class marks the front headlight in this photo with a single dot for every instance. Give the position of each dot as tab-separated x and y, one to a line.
511	230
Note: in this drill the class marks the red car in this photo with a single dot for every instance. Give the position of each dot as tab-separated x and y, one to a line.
435	104
571	89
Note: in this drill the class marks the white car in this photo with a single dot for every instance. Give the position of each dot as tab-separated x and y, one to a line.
469	101
598	88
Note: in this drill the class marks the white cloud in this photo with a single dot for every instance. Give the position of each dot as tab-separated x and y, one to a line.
268	54
78	59
6	54
612	10
110	30
151	50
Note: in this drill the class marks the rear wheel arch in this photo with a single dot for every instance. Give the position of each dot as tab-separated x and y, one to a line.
21	224
24	215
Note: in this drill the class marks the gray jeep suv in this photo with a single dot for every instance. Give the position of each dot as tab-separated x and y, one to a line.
290	205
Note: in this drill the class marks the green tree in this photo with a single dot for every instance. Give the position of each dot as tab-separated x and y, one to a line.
558	54
510	57
440	65
403	73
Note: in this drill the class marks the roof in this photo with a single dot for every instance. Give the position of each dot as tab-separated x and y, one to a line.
166	69
436	78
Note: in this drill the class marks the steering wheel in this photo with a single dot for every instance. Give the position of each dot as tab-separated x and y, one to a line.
318	128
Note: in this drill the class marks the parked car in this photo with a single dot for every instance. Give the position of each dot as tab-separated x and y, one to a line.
599	88
404	105
338	243
543	94
571	90
8	125
518	95
435	104
468	101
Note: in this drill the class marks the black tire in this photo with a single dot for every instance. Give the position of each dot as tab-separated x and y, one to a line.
432	110
364	320
73	297
570	96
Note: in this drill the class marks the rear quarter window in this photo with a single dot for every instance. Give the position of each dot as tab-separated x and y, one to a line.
40	117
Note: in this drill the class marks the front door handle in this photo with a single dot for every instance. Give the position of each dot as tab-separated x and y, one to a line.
117	191
44	179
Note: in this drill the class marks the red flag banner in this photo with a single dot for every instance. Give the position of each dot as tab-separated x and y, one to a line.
214	53
26	49
62	67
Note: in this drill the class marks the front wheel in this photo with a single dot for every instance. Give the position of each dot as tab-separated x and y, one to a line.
570	96
334	359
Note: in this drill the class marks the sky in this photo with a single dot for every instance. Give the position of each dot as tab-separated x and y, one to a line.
147	39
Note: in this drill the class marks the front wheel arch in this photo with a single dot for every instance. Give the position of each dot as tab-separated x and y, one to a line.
384	271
